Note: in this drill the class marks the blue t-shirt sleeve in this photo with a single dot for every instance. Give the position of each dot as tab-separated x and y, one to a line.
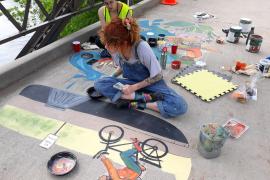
148	58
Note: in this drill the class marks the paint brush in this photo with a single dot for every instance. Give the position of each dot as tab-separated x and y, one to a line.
51	138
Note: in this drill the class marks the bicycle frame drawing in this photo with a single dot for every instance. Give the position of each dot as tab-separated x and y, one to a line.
150	153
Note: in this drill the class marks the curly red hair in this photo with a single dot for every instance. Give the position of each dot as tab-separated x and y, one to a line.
120	33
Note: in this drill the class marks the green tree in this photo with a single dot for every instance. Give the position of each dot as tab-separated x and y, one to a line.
36	16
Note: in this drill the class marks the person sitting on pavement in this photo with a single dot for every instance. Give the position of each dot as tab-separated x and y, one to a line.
111	9
143	84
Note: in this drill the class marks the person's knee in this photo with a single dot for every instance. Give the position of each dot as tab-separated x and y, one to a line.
181	106
176	107
102	84
98	84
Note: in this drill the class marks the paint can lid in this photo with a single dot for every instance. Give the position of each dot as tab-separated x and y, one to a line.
150	34
245	21
235	29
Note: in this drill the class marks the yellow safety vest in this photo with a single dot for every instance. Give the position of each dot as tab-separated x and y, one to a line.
122	14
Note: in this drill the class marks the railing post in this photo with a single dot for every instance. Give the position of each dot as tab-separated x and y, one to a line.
76	5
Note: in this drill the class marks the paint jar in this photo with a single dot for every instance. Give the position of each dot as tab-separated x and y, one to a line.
245	24
76	46
234	34
264	66
254	43
211	139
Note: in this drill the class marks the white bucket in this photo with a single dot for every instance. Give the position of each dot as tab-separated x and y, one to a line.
245	23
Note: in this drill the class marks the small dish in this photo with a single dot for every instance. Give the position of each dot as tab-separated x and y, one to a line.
62	163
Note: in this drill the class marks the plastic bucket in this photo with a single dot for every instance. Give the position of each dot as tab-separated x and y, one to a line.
210	143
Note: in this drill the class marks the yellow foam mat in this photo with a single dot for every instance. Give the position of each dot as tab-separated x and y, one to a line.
205	84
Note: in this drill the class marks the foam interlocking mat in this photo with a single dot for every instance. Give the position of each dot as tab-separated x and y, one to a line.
204	84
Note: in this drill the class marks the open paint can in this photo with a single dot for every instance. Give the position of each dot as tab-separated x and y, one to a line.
254	43
245	24
234	34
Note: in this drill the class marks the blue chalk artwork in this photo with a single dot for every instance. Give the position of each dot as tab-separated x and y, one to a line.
81	63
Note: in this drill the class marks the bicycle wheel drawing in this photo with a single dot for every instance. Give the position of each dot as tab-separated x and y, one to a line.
154	148
111	133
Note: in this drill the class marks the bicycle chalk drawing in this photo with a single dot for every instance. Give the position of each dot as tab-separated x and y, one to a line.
149	151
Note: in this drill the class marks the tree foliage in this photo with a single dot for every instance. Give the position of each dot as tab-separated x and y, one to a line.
36	16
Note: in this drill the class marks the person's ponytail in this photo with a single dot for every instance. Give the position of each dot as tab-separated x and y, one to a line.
133	29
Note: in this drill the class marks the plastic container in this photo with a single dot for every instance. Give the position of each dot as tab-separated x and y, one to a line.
176	64
211	140
76	46
174	49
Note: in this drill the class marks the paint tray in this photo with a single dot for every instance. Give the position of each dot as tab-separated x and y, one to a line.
235	127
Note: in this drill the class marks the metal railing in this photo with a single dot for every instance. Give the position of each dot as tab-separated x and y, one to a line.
48	31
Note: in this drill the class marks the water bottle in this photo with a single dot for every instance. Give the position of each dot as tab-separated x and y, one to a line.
163	58
250	33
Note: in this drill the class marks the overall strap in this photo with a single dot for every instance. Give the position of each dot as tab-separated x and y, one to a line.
136	48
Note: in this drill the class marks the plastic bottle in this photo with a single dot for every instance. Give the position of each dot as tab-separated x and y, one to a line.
250	33
163	58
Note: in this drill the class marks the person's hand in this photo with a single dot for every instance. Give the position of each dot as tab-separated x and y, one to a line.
128	89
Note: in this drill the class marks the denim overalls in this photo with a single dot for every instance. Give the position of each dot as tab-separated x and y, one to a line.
172	105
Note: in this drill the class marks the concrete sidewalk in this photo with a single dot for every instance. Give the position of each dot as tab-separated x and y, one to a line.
246	158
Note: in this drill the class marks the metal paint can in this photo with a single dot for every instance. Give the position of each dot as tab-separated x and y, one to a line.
254	43
245	23
264	66
234	34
